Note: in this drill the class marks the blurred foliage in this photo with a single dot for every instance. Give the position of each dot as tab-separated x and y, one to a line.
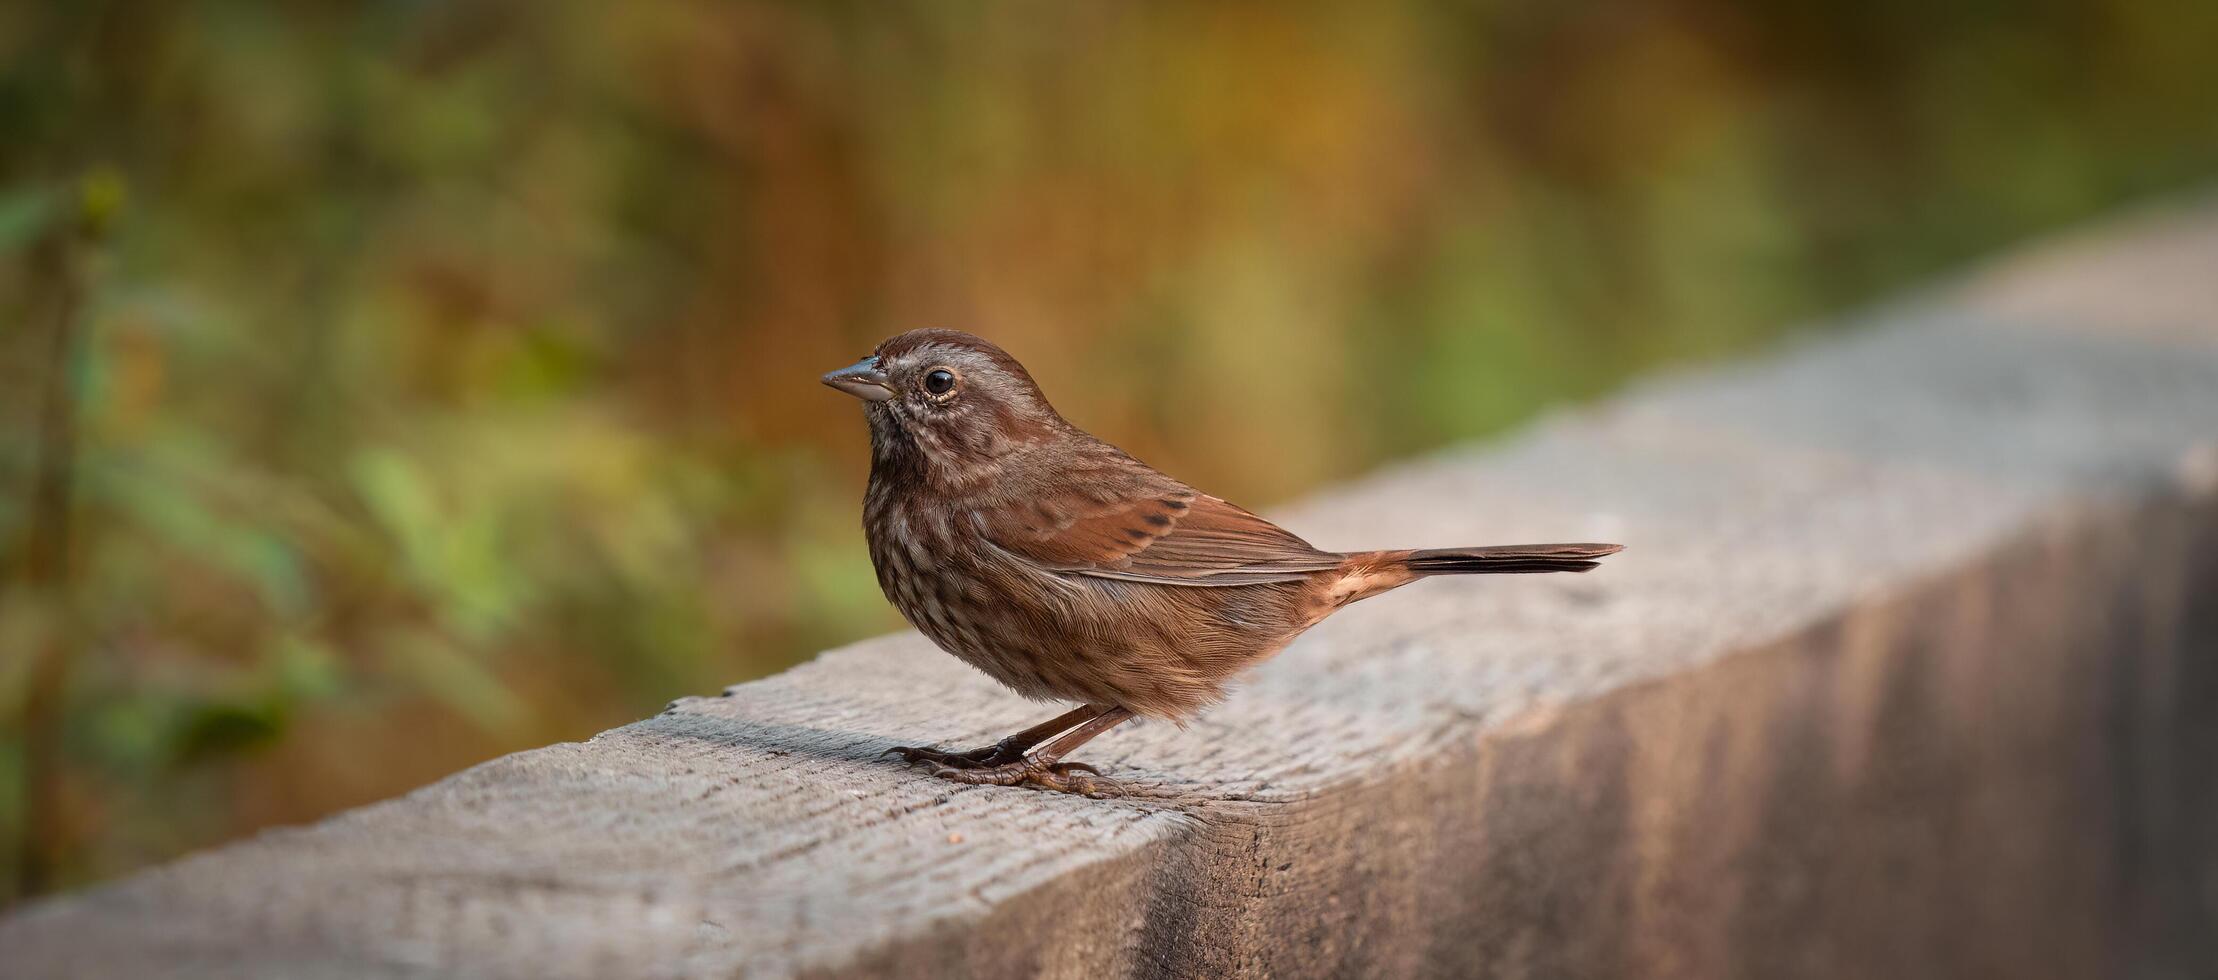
438	379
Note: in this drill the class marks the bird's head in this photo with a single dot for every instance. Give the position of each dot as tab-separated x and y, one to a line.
954	401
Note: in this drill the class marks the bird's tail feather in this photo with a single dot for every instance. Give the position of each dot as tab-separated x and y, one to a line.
1509	558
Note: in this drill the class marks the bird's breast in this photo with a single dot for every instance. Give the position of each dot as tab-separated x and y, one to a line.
927	560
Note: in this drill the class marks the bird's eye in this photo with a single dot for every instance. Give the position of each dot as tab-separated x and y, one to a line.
939	381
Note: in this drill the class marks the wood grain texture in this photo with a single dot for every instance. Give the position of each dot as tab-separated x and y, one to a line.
1911	669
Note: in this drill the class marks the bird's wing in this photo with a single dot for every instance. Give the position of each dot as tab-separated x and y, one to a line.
1153	530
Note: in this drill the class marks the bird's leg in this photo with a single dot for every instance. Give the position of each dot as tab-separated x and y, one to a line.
1046	769
1007	750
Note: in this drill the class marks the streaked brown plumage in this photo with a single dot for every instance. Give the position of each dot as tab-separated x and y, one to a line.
1069	571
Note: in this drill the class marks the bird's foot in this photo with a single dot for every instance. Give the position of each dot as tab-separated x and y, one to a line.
1062	777
991	755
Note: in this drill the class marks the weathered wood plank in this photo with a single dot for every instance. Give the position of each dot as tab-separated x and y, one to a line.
1911	668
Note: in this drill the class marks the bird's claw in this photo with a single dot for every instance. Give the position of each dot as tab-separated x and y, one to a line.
943	758
1062	777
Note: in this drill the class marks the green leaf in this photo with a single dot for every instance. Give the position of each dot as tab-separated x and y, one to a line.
25	214
439	668
222	728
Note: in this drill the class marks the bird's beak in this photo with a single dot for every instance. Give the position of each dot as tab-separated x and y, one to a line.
862	380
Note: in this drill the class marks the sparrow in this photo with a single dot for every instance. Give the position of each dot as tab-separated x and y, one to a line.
1069	571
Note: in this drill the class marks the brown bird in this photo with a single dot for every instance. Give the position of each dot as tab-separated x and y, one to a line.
1070	571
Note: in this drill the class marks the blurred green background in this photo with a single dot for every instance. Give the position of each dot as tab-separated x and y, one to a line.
386	386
